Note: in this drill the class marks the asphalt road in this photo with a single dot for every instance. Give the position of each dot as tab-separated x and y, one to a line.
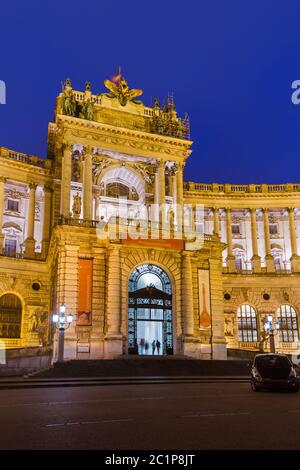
135	417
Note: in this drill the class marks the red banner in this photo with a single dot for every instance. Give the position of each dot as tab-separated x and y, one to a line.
85	283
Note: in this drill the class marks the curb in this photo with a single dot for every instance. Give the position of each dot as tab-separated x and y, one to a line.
105	381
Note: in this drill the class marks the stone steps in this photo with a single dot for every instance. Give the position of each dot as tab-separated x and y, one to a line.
145	367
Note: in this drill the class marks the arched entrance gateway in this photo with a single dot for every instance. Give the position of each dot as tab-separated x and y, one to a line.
150	311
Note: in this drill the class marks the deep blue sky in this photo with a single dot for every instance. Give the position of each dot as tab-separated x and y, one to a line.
229	64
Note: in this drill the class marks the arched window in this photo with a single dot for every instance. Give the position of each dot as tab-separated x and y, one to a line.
10	316
247	323
288	324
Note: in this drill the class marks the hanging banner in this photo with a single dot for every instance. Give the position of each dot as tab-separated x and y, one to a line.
204	299
85	280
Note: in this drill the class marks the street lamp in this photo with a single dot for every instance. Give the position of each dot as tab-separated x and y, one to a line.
269	327
62	322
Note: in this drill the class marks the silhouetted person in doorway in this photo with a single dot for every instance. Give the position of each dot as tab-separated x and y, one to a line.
142	345
146	347
153	344
158	346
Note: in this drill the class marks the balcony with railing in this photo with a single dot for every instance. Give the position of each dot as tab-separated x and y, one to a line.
24	158
21	255
123	227
242	188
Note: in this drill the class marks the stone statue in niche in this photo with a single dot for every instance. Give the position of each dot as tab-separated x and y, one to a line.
76	208
228	326
133	195
38	324
102	188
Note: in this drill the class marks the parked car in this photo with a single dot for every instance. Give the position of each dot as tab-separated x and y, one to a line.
271	371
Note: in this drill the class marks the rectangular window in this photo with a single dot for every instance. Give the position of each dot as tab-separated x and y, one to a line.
10	246
273	229
235	229
12	205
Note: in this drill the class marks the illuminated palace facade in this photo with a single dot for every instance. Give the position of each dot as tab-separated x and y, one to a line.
107	226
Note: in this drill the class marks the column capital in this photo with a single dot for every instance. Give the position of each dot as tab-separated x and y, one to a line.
180	166
161	164
253	210
291	210
48	188
87	150
32	186
67	146
114	248
3	179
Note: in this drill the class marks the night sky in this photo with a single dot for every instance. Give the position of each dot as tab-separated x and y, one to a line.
228	63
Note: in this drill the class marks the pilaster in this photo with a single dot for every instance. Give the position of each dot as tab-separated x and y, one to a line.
256	265
230	258
2	185
113	339
30	241
295	259
268	257
87	185
66	170
47	220
217	310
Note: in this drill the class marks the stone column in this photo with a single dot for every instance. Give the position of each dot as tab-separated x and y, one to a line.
155	209
255	257
97	203
179	201
179	183
66	170
162	191
187	295
2	186
113	338
162	183
87	186
30	241
193	219
174	188
216	221
230	258
268	257
295	259
47	220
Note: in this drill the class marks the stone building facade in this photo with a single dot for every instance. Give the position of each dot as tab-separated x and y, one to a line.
107	226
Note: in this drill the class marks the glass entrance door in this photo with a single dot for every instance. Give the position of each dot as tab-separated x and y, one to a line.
150	329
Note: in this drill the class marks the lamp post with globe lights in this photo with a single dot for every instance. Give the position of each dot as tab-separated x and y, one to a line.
62	322
269	328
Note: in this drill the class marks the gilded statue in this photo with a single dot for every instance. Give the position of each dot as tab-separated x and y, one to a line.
119	89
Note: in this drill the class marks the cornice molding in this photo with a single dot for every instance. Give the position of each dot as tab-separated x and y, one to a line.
108	134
